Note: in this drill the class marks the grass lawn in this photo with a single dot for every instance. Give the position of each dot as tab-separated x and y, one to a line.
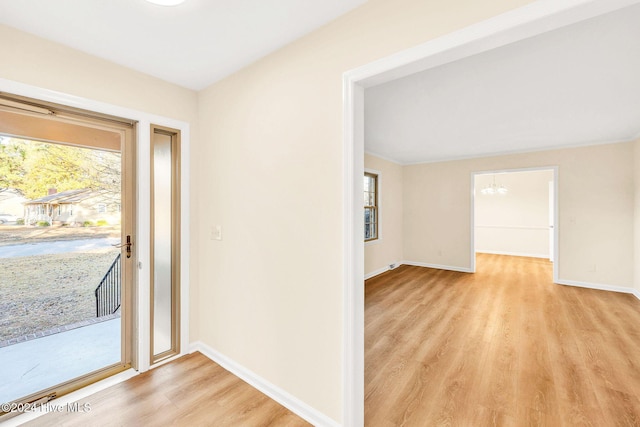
46	291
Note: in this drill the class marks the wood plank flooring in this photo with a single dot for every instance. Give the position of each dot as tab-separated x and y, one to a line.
191	391
504	346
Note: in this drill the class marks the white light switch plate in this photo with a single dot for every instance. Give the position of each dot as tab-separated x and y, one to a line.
216	232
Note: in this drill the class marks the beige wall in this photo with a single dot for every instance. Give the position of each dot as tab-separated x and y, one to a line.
270	172
378	254
38	62
596	210
515	223
267	166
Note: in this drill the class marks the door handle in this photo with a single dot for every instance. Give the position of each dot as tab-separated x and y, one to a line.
127	245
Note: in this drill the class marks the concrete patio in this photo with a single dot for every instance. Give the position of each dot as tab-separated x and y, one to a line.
37	364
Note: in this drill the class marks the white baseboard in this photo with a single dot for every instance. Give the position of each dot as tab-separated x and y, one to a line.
438	266
545	256
599	287
381	270
290	402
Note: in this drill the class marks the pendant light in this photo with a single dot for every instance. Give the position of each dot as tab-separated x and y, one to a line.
494	188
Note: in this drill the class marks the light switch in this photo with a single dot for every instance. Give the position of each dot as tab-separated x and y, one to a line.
216	232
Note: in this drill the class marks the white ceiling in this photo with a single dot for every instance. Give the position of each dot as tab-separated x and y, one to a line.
577	85
192	45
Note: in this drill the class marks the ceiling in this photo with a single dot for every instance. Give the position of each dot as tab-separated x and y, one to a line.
192	45
573	86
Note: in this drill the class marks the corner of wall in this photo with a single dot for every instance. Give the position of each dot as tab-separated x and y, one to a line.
636	217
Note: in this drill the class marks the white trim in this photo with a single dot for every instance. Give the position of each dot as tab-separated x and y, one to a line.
515	170
599	286
373	171
439	266
73	397
353	273
533	19
516	227
381	157
528	21
482	251
379	271
142	239
472	222
374	241
185	237
556	147
290	402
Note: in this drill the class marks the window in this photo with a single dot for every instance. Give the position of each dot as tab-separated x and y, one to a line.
370	206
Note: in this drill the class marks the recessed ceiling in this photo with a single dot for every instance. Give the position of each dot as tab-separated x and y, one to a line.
577	85
192	45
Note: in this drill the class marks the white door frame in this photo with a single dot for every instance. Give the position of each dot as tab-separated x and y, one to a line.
554	240
535	18
143	209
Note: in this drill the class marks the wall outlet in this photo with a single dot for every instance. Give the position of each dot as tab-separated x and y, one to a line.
216	232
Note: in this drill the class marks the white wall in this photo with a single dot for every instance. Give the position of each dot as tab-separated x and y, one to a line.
387	249
515	223
596	211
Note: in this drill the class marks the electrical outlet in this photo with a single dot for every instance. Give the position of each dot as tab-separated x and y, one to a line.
216	232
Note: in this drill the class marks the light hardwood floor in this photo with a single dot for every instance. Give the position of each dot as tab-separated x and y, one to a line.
191	391
503	346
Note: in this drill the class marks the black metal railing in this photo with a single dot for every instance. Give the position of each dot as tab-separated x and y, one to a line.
108	291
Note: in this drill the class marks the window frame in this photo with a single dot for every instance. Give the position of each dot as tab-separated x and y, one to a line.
376	207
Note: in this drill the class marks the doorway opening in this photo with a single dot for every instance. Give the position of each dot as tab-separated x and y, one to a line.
514	213
66	248
525	22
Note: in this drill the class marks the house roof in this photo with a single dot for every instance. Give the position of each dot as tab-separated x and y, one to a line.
69	196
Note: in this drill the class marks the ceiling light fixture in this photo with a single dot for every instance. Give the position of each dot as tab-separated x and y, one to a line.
167	2
494	188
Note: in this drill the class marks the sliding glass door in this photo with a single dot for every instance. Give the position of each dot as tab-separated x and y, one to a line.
66	248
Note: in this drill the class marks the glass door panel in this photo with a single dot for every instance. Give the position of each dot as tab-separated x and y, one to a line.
65	287
165	243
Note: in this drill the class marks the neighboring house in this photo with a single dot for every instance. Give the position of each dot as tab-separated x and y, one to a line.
11	202
73	207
